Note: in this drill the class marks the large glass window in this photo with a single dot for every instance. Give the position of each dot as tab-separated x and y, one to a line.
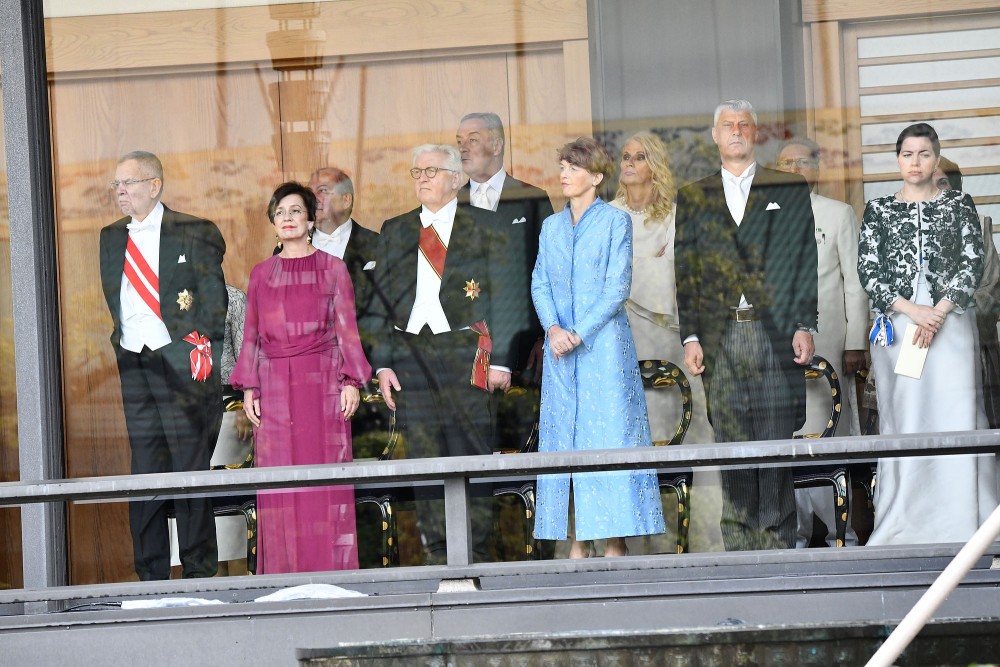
235	98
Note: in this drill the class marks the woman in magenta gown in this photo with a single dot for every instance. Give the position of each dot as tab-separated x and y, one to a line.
300	367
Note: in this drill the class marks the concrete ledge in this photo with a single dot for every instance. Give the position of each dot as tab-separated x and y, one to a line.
940	644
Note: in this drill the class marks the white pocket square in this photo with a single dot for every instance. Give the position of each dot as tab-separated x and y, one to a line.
773	206
369	266
519	221
182	259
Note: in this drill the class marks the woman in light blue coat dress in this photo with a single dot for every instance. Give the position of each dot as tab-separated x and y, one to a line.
592	394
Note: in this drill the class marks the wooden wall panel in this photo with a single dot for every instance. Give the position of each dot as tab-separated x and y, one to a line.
853	10
214	136
241	35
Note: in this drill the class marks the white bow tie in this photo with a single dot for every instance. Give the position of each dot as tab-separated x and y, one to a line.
143	226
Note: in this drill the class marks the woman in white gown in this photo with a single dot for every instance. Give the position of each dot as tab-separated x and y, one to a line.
646	192
920	260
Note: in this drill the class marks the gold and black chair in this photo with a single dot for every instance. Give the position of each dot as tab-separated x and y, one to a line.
374	438
664	375
517	422
836	476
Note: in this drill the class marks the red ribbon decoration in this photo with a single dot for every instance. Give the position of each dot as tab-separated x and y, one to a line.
433	249
201	356
481	364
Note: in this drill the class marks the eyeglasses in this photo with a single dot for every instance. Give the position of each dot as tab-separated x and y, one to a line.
802	162
128	182
293	212
430	171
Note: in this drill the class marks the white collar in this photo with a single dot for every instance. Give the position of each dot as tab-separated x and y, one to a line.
151	222
732	178
495	181
445	214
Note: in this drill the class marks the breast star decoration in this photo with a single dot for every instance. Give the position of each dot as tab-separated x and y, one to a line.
471	289
185	300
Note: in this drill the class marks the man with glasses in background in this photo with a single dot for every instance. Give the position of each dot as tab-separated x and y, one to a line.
162	277
438	271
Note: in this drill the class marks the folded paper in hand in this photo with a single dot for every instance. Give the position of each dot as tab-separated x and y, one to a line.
911	358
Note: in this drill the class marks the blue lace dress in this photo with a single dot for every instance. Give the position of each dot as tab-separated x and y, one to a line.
593	397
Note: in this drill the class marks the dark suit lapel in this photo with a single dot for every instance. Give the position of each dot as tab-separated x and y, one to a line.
117	237
715	194
170	250
406	265
462	236
352	253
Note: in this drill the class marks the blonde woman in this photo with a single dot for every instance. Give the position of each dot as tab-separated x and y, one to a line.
646	192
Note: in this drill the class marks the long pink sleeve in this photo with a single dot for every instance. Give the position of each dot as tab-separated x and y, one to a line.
355	371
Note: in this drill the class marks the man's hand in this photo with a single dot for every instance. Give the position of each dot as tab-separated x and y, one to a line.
804	347
251	407
535	360
694	358
854	361
387	383
497	380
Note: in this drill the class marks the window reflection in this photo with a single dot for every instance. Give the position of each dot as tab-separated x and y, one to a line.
251	97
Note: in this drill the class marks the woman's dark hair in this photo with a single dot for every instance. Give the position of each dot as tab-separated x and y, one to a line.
587	154
919	130
292	188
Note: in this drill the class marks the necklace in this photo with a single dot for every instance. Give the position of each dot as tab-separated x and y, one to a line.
632	210
902	198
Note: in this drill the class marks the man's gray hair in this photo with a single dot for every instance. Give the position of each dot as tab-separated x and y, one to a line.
453	159
805	142
149	164
738	106
492	122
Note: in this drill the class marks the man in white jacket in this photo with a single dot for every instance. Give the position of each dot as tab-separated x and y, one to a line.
843	323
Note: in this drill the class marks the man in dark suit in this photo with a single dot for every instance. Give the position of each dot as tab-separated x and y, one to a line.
338	234
162	277
746	299
521	207
437	278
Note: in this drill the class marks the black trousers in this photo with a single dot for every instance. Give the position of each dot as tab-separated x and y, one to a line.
173	424
442	414
748	399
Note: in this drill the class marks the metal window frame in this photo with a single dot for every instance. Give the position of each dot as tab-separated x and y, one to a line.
34	284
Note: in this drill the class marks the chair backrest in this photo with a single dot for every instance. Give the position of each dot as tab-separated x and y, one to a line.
373	427
663	375
818	370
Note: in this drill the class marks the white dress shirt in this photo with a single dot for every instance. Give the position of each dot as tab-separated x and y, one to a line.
494	188
336	243
427	308
140	325
737	189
